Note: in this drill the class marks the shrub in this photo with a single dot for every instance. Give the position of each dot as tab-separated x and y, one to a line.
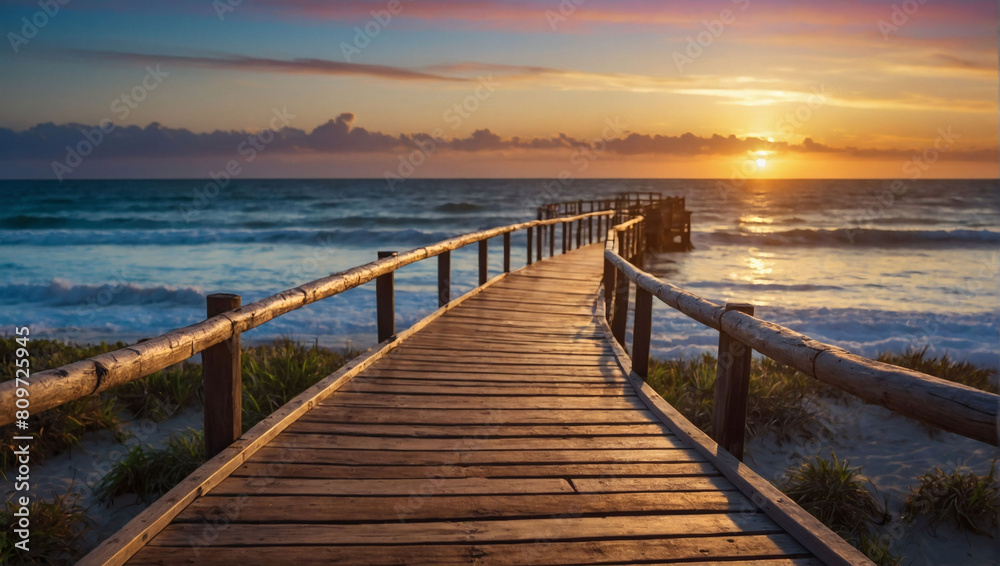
57	527
149	472
836	494
273	374
943	367
968	500
781	400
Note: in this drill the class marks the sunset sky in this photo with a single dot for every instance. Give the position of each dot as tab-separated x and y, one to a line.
444	88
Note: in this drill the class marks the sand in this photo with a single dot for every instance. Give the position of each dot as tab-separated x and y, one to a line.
80	470
892	452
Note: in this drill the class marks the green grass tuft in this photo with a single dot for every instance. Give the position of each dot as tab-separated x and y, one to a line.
781	400
944	367
60	428
57	529
149	473
964	498
161	395
836	494
273	374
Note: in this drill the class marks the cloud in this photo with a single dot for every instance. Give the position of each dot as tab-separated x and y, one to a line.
259	64
50	142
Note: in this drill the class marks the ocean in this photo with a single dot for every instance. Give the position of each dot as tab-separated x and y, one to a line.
866	265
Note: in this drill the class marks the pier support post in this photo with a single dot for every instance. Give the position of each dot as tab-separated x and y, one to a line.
221	378
506	252
641	330
590	226
529	246
552	240
732	384
444	278
565	242
609	287
620	315
385	303
579	232
483	259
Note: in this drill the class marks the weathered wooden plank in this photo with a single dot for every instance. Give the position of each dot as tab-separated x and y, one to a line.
331	441
290	508
481	390
609	372
452	402
544	549
530	376
505	358
480	430
540	384
511	530
334	471
292	454
614	484
481	345
410	415
393	486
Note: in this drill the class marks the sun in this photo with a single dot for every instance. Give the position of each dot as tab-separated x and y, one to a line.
761	162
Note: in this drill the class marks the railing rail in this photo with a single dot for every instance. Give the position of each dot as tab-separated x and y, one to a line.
53	387
947	405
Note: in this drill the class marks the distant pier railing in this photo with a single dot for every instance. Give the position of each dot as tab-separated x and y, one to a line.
944	404
667	222
218	336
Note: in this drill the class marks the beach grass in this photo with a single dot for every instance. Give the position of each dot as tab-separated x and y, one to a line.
968	500
148	473
164	393
944	367
781	401
837	494
273	374
57	528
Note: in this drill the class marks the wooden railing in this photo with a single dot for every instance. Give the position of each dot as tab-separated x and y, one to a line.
950	406
218	336
620	202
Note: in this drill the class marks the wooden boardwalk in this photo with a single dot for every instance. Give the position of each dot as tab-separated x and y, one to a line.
506	431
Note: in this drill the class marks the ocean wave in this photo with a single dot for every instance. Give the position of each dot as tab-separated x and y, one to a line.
61	292
458	207
761	286
857	237
37	221
188	237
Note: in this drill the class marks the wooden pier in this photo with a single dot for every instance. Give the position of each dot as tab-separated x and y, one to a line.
511	426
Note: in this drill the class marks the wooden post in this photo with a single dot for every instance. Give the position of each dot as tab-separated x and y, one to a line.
620	316
732	383
529	245
579	233
552	240
590	227
444	278
220	371
506	252
641	330
564	242
609	287
483	257
385	302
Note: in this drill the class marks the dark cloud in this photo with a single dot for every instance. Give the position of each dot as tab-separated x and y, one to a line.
259	64
49	142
